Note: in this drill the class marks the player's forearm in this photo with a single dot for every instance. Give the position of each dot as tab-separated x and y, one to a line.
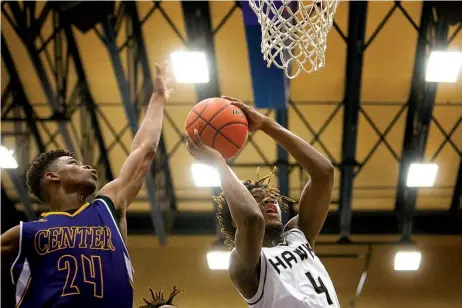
242	205
308	157
150	130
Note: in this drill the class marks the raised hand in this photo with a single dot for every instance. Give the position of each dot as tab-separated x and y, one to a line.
200	151
162	80
255	118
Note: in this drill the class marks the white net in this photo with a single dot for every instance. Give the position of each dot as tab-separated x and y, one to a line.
294	33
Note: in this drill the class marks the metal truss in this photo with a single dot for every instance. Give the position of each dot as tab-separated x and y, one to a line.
432	33
455	200
64	98
200	37
15	90
365	223
13	99
135	93
28	27
355	41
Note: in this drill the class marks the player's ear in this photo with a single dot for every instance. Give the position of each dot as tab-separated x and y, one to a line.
51	176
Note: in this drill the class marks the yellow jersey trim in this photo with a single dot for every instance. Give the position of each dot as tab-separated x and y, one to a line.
67	214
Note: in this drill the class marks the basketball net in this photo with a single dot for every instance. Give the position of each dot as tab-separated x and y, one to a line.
294	33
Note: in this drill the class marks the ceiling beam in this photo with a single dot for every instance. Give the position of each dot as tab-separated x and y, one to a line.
161	169
28	30
455	201
282	117
126	84
353	77
87	98
363	223
19	96
199	32
200	37
420	109
20	99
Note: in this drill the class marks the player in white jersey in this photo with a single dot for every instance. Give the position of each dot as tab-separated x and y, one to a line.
273	266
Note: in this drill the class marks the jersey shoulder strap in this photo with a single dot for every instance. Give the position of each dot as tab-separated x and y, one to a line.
110	204
296	236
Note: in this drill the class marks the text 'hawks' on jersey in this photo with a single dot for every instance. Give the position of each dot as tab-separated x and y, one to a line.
291	275
73	260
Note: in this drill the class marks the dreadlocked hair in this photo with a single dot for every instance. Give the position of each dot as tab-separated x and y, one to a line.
38	167
224	215
158	298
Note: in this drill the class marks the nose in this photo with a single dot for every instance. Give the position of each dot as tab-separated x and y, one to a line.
269	200
87	167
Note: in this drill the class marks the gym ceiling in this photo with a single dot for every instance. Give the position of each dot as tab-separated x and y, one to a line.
80	83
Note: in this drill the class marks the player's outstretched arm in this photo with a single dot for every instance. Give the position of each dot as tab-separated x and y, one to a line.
315	197
126	187
9	244
245	212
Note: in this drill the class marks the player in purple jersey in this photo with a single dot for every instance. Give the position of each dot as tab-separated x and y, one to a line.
75	255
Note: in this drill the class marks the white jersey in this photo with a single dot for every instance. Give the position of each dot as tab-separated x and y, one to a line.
292	276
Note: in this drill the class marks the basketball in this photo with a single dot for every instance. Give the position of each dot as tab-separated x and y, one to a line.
220	125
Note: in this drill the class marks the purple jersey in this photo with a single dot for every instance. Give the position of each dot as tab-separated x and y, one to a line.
73	260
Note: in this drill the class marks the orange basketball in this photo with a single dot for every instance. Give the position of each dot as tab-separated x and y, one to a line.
221	125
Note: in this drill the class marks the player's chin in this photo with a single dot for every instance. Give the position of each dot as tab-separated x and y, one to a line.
90	185
273	220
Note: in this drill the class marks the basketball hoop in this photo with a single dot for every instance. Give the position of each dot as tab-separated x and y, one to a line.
294	33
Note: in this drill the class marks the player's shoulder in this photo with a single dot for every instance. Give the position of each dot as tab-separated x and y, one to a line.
104	200
295	235
107	203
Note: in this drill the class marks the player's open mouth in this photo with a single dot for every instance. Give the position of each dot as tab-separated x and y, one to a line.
271	209
94	174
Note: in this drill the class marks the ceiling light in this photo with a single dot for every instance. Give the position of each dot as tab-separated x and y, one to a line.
407	260
7	161
205	175
190	67
422	175
218	259
443	66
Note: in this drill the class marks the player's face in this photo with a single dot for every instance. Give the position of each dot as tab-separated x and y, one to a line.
269	207
73	174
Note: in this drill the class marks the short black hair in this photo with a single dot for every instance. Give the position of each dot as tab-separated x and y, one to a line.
224	215
158	298
39	166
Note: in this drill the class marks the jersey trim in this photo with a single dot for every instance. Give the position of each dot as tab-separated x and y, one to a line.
105	201
110	204
261	284
297	231
23	283
66	213
19	252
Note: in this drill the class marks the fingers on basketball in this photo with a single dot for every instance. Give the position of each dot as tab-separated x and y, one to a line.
230	98
190	144
198	138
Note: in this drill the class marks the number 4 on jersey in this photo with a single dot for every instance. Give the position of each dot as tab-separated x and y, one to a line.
319	289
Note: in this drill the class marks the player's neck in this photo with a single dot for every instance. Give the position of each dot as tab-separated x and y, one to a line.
64	202
273	237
